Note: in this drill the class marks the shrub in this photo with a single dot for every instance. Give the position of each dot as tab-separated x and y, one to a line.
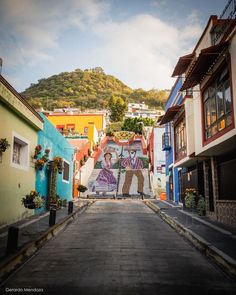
201	206
190	201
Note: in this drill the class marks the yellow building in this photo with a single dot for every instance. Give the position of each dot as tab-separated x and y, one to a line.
79	123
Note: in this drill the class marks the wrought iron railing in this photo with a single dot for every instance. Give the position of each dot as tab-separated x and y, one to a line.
225	21
166	141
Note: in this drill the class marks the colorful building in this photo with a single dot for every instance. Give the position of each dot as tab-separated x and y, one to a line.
172	106
91	125
82	155
204	125
20	125
50	138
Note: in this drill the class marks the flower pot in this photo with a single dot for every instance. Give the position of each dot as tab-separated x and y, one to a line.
29	205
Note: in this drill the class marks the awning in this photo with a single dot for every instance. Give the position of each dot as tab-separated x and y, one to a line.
206	59
182	64
170	114
159	119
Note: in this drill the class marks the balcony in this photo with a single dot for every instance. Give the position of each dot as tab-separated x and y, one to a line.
225	22
166	141
72	134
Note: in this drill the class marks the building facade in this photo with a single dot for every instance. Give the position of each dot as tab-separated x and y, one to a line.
204	125
20	125
172	106
91	125
49	138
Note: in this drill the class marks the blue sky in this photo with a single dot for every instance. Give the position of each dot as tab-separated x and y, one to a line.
138	41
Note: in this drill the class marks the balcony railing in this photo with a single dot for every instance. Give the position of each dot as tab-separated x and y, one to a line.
72	134
166	141
225	21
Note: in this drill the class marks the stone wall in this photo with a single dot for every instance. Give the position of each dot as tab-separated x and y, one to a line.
226	212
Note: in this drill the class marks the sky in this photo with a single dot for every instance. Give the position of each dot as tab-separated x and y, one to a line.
138	41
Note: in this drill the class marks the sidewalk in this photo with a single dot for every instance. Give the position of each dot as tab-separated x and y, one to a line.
214	239
33	233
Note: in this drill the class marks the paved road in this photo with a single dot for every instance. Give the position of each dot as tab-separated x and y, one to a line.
120	247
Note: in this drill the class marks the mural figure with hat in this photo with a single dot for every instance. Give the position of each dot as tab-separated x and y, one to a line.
133	166
106	181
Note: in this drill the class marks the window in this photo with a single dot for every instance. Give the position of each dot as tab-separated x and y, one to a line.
217	105
66	171
70	127
60	128
180	140
86	130
20	152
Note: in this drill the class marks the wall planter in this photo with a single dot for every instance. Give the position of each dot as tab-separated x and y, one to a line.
33	200
4	145
40	162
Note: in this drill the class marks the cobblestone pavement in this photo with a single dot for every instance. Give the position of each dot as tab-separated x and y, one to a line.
32	227
119	247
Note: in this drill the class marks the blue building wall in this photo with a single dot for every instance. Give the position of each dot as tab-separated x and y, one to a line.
169	153
50	138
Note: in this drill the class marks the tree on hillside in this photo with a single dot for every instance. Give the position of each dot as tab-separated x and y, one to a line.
136	124
117	106
91	88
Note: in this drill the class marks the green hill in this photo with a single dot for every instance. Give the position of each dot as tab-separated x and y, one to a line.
87	89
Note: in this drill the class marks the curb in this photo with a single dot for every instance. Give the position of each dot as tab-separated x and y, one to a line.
10	263
227	263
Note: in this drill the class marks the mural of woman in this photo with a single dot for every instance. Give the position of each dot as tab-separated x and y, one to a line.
106	181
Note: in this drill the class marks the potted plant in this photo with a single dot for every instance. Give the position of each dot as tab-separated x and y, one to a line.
82	188
32	200
190	198
201	206
4	145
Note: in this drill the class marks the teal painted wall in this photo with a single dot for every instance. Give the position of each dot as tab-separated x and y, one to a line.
50	138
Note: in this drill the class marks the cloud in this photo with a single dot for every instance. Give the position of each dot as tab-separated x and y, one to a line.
30	29
140	50
158	3
143	50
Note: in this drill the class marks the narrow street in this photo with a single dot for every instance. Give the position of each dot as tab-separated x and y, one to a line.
119	247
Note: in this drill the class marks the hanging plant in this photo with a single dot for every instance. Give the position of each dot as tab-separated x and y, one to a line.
4	145
39	164
37	151
33	200
58	164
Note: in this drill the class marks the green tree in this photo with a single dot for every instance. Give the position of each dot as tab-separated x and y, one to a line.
117	106
136	124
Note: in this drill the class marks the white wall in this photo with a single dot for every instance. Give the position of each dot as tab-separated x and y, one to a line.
159	179
86	171
189	118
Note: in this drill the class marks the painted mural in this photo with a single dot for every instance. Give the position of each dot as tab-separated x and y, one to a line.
119	167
